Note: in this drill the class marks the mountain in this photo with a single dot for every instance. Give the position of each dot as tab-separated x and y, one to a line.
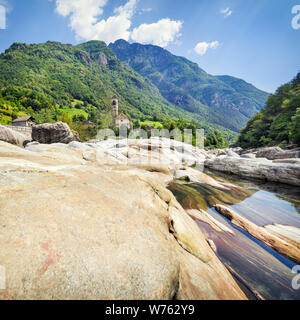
48	79
278	122
223	100
248	90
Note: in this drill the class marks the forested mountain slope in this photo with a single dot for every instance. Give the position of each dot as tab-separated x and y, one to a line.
46	79
278	122
224	100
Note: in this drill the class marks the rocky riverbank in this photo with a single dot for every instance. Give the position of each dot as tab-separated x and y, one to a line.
96	220
76	223
269	164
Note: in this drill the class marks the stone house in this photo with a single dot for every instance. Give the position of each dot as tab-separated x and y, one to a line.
23	121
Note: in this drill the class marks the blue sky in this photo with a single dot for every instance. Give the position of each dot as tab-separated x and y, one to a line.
250	39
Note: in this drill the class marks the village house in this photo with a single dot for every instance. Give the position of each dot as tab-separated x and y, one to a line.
88	124
120	119
23	121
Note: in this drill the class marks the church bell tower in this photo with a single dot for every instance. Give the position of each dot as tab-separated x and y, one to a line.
115	106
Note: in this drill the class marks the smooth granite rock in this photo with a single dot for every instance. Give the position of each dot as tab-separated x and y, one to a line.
262	169
72	228
14	137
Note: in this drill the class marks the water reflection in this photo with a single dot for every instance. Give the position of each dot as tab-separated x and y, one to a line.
263	269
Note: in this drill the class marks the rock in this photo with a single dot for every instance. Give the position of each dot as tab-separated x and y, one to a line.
274	153
258	168
237	150
203	281
79	146
195	176
233	154
292	161
288	233
48	133
205	217
13	137
265	235
74	229
212	245
248	156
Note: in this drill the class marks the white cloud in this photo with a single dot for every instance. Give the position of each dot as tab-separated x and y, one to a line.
226	12
202	47
160	33
84	21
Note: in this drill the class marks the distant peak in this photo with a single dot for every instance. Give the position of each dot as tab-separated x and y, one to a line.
121	43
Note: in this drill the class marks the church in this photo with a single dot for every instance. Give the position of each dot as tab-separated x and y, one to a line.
120	119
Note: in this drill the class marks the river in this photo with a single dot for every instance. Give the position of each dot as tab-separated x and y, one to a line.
261	270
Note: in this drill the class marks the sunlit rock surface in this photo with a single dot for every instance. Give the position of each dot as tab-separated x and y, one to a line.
79	222
258	168
13	137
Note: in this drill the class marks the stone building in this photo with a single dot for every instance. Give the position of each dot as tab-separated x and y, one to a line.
23	122
120	119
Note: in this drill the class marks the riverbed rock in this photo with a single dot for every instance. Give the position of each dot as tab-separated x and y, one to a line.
48	133
262	169
205	217
248	156
288	233
212	244
265	235
77	229
273	153
233	154
13	137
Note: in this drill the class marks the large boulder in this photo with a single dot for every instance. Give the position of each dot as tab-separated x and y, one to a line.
261	168
88	231
48	133
13	137
273	153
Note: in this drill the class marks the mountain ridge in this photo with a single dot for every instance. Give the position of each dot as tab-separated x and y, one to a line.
52	75
185	84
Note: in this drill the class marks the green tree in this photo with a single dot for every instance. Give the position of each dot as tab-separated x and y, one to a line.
216	140
295	128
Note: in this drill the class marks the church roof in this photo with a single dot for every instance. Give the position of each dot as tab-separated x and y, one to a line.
122	116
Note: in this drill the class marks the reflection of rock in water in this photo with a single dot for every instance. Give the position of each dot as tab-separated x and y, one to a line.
196	196
266	272
284	244
260	269
284	191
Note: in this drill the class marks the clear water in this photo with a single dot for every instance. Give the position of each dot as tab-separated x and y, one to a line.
263	270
